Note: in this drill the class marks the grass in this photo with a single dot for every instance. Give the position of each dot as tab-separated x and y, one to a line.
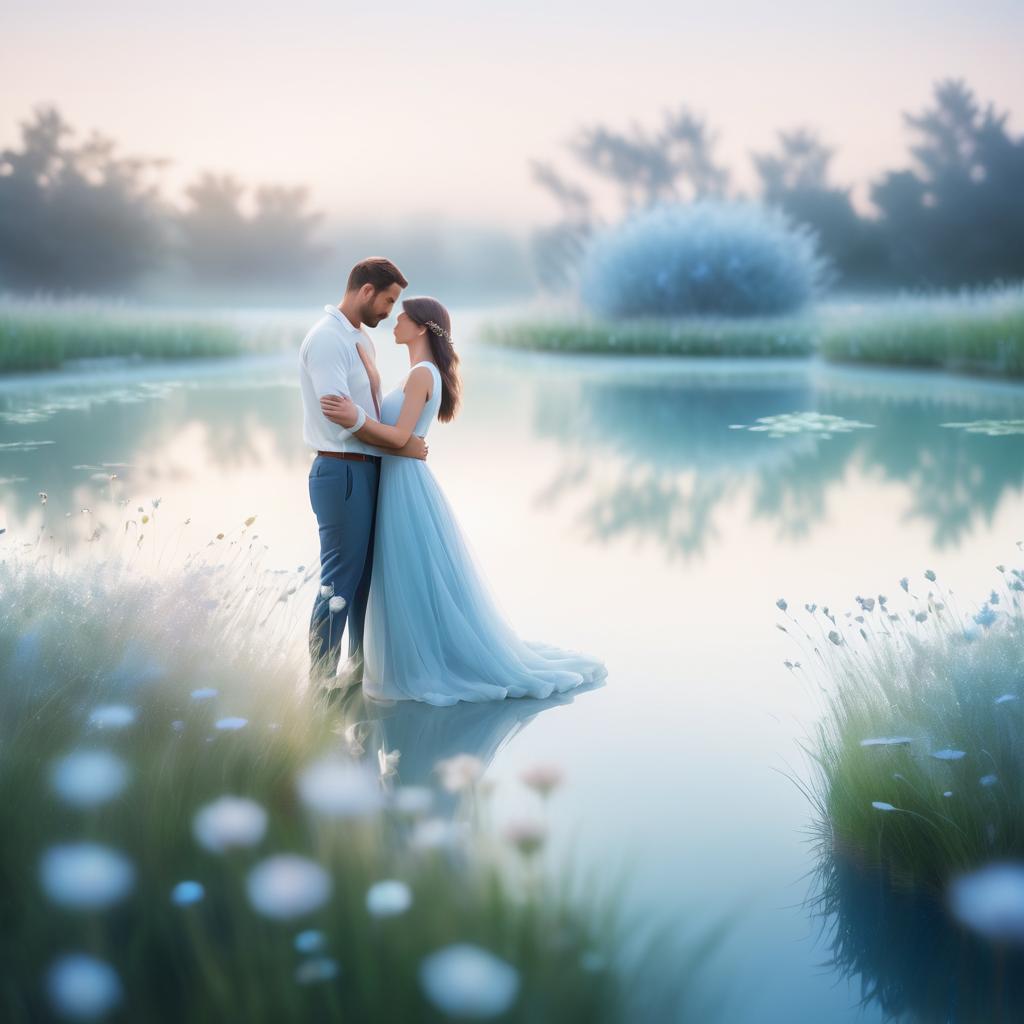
83	632
972	332
978	332
38	335
688	336
945	690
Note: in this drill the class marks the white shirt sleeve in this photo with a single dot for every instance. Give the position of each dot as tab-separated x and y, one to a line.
328	365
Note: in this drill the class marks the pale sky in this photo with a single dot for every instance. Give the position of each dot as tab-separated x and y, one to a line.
398	110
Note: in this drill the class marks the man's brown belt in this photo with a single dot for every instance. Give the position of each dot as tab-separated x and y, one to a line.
355	456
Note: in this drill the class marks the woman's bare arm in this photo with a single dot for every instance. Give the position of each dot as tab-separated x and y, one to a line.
343	411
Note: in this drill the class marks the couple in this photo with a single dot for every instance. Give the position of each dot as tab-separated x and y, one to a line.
393	562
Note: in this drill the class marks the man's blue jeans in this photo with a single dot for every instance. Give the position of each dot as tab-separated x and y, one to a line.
343	494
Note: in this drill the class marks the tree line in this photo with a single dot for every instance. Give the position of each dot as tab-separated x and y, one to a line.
79	216
953	217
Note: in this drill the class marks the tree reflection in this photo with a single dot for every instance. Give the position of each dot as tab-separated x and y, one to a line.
655	459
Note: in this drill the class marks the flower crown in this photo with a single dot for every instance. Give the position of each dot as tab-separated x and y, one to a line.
438	329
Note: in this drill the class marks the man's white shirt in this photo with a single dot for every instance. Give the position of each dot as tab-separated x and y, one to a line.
329	364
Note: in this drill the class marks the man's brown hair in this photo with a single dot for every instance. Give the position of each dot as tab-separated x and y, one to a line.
375	270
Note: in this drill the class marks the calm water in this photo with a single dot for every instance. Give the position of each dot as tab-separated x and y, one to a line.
617	508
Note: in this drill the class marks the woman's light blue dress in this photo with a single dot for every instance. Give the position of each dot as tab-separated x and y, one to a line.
433	633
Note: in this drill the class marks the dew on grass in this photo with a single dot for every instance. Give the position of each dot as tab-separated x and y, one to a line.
86	778
288	885
948	793
948	755
204	693
463	980
85	875
881	805
887	741
988	780
229	821
231	724
1006	698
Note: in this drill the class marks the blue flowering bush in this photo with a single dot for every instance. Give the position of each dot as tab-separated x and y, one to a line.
705	258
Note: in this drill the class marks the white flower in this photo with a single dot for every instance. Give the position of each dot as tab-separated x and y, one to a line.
387	760
991	901
339	789
336	604
414	801
82	987
542	778
463	980
327	591
288	885
86	778
526	836
437	834
229	821
112	716
389	898
459	772
85	875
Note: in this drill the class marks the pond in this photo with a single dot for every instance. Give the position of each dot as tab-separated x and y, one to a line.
624	508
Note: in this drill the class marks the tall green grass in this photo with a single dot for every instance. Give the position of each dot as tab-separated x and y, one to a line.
686	336
972	331
96	630
43	335
918	759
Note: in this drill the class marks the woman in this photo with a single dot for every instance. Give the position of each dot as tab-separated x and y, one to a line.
433	633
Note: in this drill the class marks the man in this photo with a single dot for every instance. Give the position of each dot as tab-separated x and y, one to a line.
338	358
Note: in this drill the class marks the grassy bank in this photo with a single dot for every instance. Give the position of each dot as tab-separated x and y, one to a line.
978	332
973	332
209	840
42	336
919	756
696	336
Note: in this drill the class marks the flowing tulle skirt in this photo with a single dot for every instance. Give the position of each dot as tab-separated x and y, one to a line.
433	631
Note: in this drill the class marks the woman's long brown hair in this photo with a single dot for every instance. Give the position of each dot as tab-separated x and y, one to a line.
423	309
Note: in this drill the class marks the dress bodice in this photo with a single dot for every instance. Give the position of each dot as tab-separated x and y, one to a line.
391	406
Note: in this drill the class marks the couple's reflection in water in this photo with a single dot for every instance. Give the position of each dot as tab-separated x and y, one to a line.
912	961
425	735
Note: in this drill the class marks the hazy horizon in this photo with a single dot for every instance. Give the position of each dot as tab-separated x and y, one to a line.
410	114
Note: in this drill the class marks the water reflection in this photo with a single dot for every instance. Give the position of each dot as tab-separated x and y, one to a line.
655	459
912	961
426	735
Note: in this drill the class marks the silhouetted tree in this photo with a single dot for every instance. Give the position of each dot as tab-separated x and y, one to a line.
796	178
957	217
74	216
220	243
672	164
